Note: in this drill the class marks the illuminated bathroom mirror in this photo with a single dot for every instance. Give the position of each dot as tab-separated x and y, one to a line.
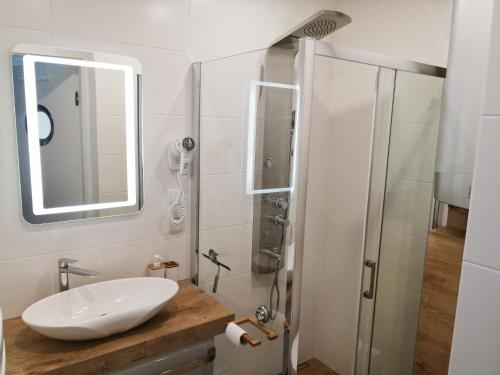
78	122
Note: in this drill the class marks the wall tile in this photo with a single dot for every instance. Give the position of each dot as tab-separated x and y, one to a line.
322	96
361	33
333	358
8	152
314	235
319	146
154	23
413	148
397	310
224	145
350	147
108	260
407	206
339	285
402	260
159	133
224	201
482	239
27	14
344	241
417	99
226	85
390	354
20	239
31	279
347	194
234	246
151	222
10	37
165	91
476	337
307	328
336	328
316	190
310	277
353	97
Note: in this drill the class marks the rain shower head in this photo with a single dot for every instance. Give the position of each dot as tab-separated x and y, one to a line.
317	26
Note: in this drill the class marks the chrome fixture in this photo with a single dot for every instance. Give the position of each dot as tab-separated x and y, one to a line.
212	256
372	265
272	311
65	269
278	202
317	26
280	220
263	314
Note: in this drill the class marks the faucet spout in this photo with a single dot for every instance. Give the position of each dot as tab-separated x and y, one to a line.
65	268
82	271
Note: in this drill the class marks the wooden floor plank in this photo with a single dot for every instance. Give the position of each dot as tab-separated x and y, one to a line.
443	262
315	367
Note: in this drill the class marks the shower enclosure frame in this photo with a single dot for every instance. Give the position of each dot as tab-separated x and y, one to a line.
308	48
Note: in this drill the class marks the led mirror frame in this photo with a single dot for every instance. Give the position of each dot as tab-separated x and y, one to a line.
33	136
252	129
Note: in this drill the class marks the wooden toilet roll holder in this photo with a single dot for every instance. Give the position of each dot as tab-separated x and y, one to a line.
246	338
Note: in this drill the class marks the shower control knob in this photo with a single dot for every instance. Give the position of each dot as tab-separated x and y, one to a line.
263	314
188	143
282	203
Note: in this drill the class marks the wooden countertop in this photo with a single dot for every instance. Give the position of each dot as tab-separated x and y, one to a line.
191	316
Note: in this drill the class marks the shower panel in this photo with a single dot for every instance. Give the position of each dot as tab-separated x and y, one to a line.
274	154
276	138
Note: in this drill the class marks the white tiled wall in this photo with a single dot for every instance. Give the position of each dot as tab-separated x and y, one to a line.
476	338
154	32
343	104
164	36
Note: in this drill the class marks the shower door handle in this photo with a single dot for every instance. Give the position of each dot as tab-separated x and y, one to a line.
372	265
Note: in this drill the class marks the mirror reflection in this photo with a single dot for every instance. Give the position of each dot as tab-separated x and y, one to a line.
78	153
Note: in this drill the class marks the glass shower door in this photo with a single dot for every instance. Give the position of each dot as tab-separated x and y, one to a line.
249	130
399	236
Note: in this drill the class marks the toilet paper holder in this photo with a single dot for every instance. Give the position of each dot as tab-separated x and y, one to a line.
246	338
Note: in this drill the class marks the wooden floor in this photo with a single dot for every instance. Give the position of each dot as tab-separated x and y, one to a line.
443	262
315	367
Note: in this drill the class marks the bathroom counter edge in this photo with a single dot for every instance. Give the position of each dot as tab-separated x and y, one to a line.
191	316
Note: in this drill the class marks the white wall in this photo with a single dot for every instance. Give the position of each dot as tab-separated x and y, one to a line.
414	29
155	33
342	112
164	36
476	338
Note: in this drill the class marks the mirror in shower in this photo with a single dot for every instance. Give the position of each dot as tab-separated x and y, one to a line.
78	132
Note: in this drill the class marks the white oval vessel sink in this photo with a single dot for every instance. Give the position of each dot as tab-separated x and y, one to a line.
98	310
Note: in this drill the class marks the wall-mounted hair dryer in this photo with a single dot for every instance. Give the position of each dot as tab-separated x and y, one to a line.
179	161
179	156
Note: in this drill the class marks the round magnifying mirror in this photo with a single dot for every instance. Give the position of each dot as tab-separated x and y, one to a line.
45	125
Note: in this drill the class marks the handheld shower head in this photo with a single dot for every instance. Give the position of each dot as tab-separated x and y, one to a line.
317	26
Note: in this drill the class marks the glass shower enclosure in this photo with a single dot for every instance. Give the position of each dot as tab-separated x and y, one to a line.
312	194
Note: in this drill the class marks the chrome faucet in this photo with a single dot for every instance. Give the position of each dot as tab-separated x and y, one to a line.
65	269
279	220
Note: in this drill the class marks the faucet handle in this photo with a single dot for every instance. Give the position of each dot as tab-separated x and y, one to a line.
64	262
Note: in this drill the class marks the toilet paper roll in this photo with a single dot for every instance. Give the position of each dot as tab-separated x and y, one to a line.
234	333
